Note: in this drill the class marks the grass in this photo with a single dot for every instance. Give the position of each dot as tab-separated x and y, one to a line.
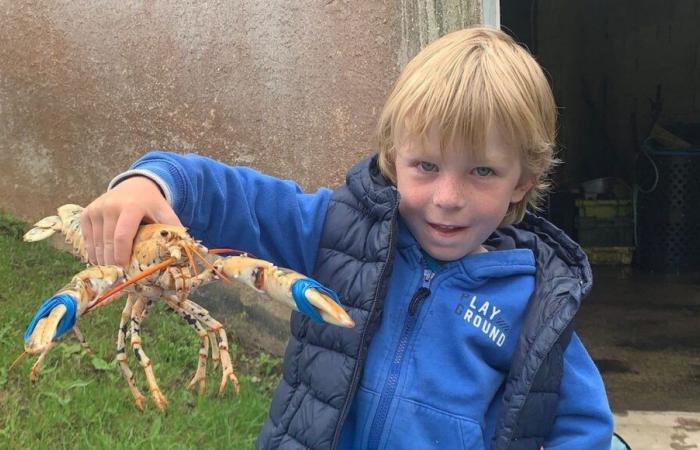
82	401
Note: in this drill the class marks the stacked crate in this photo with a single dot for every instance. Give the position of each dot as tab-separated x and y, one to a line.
605	229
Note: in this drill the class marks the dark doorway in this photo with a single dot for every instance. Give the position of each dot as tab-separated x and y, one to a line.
618	69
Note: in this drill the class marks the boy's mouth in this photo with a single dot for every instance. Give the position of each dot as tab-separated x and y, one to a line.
446	229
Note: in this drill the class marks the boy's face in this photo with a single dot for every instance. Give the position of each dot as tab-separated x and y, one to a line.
452	202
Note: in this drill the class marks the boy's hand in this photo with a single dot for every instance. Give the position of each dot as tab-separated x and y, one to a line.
110	222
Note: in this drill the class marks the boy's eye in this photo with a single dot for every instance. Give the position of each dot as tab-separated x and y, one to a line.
483	171
426	166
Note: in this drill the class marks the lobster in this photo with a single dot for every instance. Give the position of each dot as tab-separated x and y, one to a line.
166	263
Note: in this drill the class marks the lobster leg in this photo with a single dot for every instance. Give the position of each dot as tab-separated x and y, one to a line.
82	340
215	356
139	398
147	309
215	326
200	375
183	281
144	316
143	359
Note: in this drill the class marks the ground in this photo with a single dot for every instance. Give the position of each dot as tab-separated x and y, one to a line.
643	331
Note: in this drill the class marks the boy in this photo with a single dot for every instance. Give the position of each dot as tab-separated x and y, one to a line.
464	335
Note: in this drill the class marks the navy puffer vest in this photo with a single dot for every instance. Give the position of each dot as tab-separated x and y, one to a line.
323	364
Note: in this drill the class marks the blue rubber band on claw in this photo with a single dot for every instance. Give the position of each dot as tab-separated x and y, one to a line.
67	321
299	288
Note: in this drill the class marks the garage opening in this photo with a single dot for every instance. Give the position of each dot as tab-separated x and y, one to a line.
625	77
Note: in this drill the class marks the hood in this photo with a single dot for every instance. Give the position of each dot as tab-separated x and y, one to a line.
376	193
557	256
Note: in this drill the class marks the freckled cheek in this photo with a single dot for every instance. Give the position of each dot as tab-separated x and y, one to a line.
412	196
410	205
489	208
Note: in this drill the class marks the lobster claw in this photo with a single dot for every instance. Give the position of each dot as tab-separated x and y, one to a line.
55	317
319	303
285	286
59	313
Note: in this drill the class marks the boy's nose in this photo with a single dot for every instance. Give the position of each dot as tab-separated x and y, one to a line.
449	193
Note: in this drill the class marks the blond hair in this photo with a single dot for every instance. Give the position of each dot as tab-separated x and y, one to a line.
462	83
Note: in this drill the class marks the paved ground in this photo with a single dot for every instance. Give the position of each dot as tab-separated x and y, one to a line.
659	430
643	331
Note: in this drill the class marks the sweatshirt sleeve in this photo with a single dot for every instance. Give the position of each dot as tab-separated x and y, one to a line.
240	208
584	419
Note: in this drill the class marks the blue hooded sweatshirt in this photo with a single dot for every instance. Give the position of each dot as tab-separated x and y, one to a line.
434	375
441	354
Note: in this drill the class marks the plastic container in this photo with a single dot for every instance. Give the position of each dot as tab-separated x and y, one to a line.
604	209
610	256
615	232
668	211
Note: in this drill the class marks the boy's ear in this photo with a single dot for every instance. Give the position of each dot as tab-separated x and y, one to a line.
522	188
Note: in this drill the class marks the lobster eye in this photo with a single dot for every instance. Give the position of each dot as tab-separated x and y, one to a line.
164	233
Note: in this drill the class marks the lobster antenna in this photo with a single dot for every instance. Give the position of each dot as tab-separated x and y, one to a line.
210	265
190	258
154	268
18	360
218	251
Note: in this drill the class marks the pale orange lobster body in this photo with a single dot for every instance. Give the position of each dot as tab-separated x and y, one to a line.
167	264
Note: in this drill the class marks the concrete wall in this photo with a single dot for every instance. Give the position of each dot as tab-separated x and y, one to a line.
606	60
292	88
87	87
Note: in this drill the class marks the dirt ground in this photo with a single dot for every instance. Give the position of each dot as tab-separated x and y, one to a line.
643	331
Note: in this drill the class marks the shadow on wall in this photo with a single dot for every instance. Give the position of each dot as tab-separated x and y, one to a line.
251	319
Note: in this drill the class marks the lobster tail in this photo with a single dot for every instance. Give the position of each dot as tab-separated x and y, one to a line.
43	229
67	222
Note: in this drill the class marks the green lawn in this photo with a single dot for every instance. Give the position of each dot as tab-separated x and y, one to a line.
82	401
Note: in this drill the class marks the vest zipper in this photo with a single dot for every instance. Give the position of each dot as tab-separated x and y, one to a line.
390	385
362	354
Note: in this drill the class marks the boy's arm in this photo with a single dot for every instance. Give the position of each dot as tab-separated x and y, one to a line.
584	419
240	208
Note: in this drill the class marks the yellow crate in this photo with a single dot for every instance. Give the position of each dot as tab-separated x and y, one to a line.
604	209
610	256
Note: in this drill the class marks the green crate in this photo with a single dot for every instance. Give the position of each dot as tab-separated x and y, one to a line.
594	232
604	209
610	256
